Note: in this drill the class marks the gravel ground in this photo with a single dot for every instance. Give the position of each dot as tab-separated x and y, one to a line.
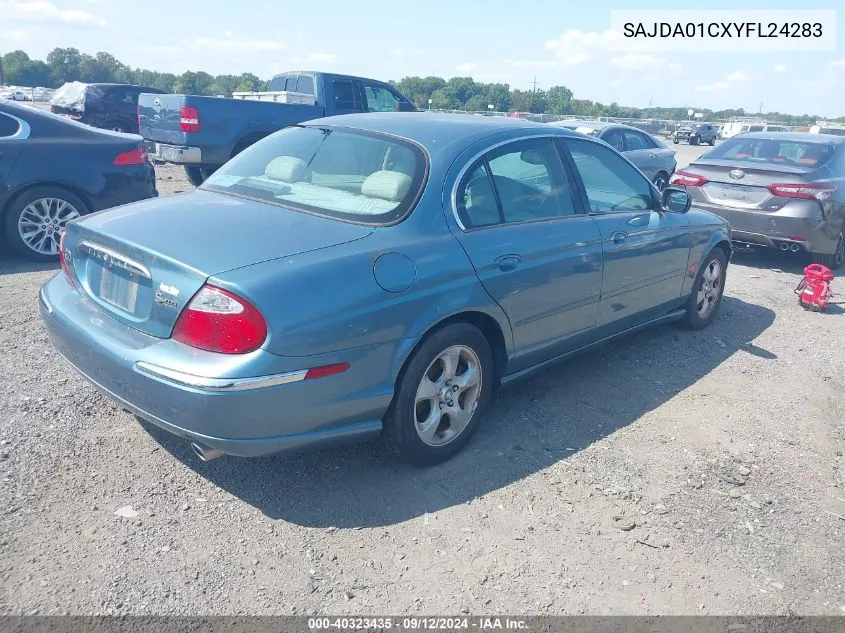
721	449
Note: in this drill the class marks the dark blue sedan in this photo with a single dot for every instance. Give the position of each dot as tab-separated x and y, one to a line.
374	272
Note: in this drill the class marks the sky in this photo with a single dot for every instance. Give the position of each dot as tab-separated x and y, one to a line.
547	41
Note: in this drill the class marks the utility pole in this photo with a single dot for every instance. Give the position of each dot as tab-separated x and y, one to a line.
534	84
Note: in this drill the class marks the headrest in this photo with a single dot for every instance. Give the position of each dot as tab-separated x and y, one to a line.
387	185
285	168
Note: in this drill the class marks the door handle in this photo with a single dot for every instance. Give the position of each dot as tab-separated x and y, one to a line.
638	220
507	262
619	237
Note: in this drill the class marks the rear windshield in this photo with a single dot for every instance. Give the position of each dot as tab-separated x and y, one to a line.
346	174
836	131
775	152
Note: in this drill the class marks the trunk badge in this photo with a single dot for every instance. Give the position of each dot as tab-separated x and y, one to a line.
171	290
156	101
736	174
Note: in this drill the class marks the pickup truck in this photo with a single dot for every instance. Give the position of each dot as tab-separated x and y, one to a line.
203	133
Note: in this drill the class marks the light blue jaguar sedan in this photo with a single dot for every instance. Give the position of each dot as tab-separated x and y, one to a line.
374	273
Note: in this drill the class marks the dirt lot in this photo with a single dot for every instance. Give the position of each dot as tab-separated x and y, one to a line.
659	429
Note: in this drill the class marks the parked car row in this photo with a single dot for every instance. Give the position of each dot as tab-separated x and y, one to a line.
453	253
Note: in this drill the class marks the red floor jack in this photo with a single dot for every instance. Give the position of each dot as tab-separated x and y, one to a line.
814	290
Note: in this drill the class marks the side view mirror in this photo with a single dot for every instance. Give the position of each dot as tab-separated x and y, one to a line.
404	106
675	200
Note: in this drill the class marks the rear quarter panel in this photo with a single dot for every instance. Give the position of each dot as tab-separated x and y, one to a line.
329	300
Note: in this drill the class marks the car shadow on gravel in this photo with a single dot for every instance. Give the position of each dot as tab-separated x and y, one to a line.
531	425
11	265
770	259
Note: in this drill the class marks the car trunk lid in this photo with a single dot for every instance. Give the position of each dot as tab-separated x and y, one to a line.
142	263
745	186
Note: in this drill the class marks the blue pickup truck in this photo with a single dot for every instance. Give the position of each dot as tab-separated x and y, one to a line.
202	133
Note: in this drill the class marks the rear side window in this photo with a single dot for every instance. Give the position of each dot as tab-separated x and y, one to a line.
519	182
635	141
775	152
8	126
343	94
352	175
755	128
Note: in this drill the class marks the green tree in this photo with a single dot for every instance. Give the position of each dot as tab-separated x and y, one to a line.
65	64
20	70
559	100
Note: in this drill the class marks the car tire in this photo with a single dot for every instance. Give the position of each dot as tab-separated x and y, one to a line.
707	291
833	260
676	141
661	181
446	358
197	175
712	141
116	126
53	205
693	140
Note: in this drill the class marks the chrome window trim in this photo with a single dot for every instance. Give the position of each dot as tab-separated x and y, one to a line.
24	129
129	264
471	162
219	384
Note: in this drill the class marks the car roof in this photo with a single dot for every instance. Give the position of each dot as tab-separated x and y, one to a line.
803	137
437	131
593	125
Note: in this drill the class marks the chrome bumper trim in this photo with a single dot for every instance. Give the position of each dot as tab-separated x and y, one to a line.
219	384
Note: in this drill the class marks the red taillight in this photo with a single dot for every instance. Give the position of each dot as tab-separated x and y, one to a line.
688	179
189	119
326	370
63	259
137	156
802	191
217	320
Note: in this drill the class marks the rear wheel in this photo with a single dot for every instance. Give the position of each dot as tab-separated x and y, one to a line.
712	141
35	220
707	291
197	175
835	260
441	395
693	140
661	181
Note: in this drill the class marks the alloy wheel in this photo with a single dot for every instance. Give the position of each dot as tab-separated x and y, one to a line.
709	289
447	395
42	221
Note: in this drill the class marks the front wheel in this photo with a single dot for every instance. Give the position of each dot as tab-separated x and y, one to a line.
441	395
707	291
833	260
35	221
712	141
693	141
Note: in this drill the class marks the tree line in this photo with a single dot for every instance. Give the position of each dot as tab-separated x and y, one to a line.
457	93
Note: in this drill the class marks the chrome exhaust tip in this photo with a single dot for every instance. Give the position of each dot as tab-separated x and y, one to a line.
784	246
795	248
205	453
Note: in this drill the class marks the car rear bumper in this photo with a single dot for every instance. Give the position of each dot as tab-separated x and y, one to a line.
181	154
774	230
245	416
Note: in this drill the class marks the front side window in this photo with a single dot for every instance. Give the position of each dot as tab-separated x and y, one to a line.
519	182
352	175
379	98
614	139
611	183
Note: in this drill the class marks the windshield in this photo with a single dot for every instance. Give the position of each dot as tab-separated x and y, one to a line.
774	152
347	174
